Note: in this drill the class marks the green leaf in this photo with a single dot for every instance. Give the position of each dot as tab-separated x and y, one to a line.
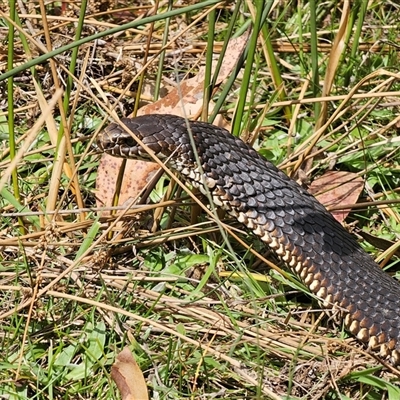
8	196
88	241
96	337
64	358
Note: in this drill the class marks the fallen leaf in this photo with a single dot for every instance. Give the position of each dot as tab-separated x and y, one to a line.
138	176
128	377
336	189
188	99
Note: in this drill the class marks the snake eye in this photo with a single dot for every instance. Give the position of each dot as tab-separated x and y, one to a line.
128	141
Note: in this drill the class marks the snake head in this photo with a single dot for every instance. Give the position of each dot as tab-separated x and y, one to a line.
115	141
118	142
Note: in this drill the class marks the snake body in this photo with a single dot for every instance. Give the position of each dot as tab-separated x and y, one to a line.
284	215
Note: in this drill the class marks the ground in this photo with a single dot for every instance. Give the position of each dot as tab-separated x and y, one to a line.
204	314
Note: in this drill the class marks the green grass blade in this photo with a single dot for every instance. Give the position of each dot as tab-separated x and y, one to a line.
89	238
314	57
238	117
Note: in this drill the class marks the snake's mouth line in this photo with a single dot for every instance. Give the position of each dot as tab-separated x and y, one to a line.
281	213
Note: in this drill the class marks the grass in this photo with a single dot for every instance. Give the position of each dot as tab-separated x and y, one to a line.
206	317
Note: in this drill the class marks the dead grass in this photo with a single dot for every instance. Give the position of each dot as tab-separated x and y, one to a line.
204	317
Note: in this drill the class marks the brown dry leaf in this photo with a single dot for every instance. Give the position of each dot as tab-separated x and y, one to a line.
190	94
128	377
337	188
136	176
139	175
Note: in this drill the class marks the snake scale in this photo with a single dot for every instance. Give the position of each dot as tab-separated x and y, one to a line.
284	215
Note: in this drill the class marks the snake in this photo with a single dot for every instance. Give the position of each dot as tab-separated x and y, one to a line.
283	214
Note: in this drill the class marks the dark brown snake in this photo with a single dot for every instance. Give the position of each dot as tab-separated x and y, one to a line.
285	216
